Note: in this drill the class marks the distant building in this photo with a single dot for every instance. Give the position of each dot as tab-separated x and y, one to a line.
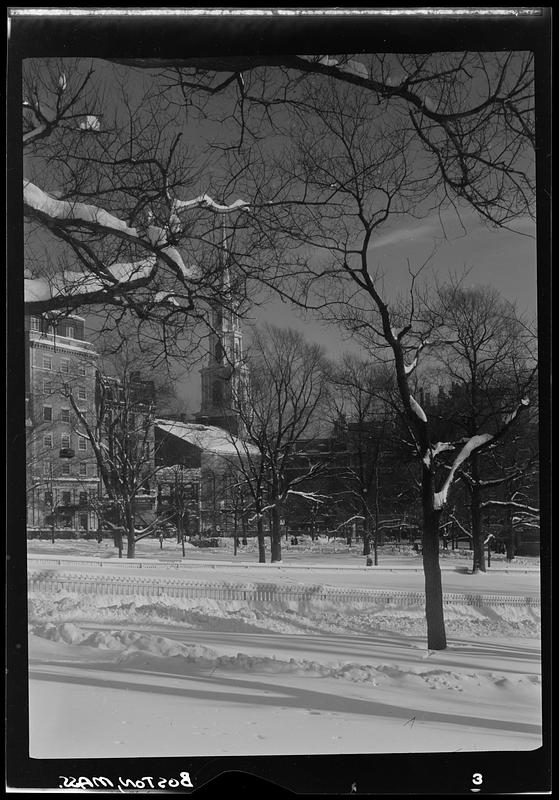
212	456
125	409
60	465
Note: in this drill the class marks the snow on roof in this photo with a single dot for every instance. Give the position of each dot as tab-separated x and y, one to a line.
208	438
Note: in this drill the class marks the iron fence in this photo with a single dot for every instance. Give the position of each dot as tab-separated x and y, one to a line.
136	585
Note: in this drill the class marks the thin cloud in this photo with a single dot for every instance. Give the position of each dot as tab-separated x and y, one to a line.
403	235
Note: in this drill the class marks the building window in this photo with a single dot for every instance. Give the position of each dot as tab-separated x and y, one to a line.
35	324
219	352
69	331
64	365
82	393
66	498
47	362
82	443
81	369
46	467
47	413
65	441
217	393
83	470
47	387
65	468
48	498
65	415
47	440
84	499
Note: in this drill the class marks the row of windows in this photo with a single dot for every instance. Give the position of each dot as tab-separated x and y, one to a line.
66	498
64	414
81	391
67	329
84	470
64	365
65	441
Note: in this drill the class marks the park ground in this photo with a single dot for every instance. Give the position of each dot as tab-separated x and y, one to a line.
139	676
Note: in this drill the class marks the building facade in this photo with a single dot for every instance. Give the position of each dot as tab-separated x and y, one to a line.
125	411
62	477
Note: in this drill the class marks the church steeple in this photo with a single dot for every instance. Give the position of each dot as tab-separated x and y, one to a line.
224	376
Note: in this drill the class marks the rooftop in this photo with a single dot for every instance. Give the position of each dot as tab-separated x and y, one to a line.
208	438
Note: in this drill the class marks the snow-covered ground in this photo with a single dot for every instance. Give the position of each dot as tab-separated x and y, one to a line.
114	677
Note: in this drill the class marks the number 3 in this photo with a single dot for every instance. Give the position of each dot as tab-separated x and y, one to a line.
477	778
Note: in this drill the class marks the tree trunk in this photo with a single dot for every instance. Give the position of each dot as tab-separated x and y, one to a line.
261	542
117	538
510	538
366	542
434	613
180	533
130	531
276	534
478	564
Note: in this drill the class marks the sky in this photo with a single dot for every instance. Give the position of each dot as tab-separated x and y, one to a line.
500	258
503	259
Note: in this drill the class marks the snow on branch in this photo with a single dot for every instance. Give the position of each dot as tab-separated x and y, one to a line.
36	199
510	504
91	123
205	201
417	410
409	368
71	284
508	418
347	521
313	497
473	443
433	452
462	528
38	203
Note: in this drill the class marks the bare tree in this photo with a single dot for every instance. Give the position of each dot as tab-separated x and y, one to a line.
354	142
365	411
120	211
106	165
278	413
488	363
178	500
121	435
355	177
456	106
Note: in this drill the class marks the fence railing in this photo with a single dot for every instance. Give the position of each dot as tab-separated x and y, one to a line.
136	585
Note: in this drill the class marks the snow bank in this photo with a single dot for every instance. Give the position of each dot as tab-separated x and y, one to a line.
159	653
308	616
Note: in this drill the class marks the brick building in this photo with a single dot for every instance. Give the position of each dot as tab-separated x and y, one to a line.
61	469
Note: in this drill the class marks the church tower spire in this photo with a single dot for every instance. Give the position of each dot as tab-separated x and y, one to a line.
225	375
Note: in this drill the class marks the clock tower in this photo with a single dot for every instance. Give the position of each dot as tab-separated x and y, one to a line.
224	378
